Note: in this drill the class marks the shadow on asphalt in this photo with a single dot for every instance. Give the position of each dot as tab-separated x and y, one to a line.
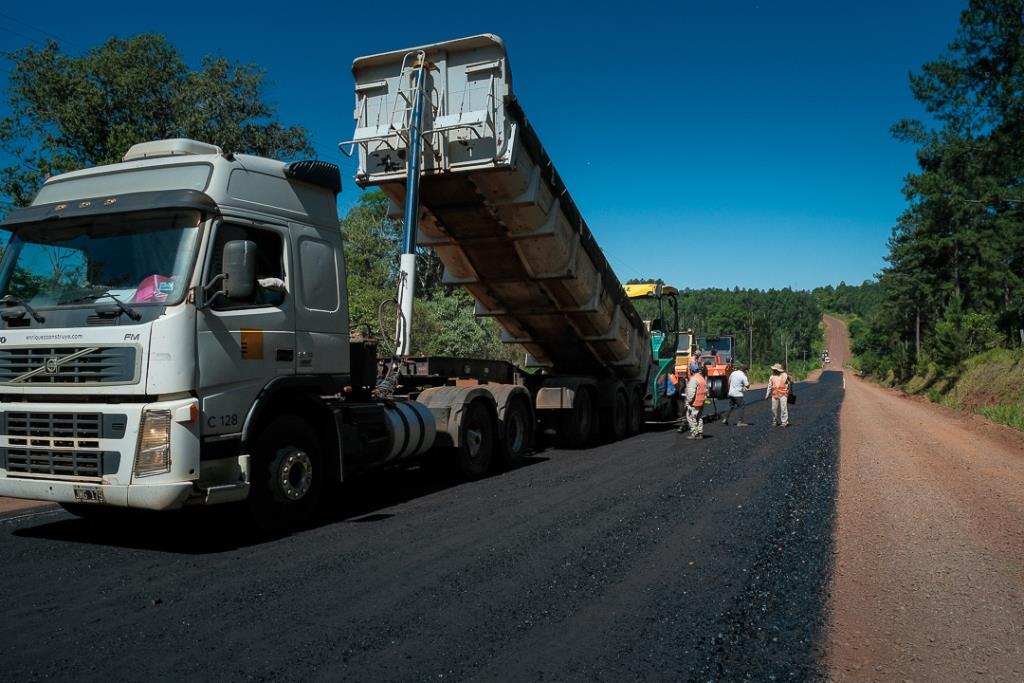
199	531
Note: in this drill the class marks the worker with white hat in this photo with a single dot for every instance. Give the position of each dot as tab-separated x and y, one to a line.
778	393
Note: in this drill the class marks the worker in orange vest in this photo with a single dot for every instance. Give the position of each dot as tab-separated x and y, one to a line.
778	393
696	395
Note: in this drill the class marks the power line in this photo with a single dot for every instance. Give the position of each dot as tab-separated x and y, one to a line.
44	32
34	41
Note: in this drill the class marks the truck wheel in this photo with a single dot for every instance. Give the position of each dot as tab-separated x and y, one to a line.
518	436
576	426
472	458
717	387
635	420
287	474
618	424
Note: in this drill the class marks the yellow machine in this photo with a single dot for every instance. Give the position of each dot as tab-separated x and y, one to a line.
658	307
686	350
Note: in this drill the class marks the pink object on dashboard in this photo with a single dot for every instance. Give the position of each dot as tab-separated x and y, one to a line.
153	288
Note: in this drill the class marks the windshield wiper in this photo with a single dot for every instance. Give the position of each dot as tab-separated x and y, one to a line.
11	300
121	306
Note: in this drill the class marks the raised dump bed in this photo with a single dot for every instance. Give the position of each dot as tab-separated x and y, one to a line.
494	208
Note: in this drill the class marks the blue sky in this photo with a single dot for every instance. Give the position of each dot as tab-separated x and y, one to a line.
710	144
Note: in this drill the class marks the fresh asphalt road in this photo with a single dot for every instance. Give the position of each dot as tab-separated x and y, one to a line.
655	558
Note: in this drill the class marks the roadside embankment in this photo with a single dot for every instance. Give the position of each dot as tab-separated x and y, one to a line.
990	384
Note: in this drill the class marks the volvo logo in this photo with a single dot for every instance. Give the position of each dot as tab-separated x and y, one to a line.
52	365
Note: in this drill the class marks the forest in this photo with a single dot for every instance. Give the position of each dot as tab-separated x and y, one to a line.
954	284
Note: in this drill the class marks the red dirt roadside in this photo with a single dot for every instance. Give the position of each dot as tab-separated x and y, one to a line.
13	505
928	582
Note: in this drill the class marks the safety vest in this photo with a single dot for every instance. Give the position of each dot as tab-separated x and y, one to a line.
780	385
701	393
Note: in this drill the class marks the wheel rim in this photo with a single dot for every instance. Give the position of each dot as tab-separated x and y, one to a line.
294	475
515	435
474	440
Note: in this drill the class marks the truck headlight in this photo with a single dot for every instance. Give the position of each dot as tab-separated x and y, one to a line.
154	453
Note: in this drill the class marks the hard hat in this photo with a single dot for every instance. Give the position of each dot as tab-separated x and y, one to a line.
694	367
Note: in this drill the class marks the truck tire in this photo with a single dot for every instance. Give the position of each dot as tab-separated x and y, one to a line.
287	474
471	459
635	420
617	425
518	430
576	425
718	387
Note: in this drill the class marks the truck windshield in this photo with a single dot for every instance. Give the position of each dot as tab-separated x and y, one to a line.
721	346
141	258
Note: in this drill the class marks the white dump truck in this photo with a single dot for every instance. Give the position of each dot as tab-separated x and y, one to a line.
174	328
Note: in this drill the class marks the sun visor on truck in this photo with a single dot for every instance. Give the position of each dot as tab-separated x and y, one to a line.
136	201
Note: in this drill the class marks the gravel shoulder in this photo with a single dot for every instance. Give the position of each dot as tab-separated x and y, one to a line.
929	563
15	506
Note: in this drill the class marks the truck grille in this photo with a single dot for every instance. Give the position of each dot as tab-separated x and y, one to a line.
55	463
67	425
19	424
64	365
59	444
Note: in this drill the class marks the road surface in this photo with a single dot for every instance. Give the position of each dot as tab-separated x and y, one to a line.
652	558
878	538
929	573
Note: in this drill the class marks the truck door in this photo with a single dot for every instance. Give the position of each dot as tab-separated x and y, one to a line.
321	301
244	344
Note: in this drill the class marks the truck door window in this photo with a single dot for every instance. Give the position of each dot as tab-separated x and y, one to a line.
319	275
269	264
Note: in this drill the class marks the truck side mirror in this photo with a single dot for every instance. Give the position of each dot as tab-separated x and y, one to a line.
239	269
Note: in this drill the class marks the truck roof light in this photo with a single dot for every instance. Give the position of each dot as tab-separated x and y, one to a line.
169	148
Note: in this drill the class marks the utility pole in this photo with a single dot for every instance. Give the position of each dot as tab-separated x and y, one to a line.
750	348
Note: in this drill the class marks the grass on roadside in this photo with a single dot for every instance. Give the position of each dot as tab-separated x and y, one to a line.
1011	415
991	384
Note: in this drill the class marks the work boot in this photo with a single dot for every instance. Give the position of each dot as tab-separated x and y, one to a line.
699	436
725	422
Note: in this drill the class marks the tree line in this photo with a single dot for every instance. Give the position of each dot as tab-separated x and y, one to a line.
954	283
769	325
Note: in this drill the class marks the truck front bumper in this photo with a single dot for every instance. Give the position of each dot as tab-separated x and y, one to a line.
86	452
143	496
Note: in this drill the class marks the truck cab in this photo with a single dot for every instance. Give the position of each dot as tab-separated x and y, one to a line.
151	309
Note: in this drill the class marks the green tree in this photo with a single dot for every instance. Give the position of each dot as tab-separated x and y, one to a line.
444	323
70	112
956	256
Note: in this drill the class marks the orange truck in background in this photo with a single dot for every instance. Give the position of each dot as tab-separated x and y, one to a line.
716	354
